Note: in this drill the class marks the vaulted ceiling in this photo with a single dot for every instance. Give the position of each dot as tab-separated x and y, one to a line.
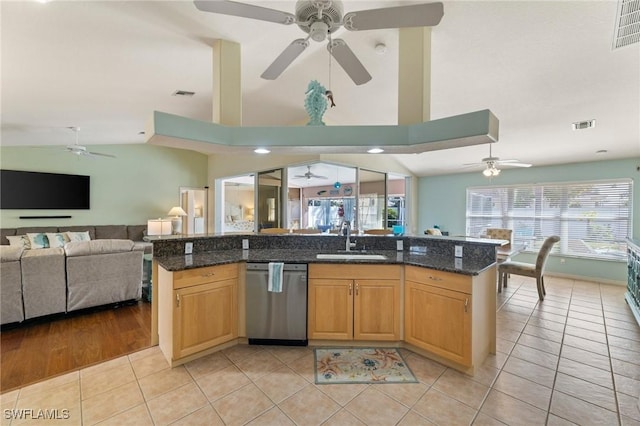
104	66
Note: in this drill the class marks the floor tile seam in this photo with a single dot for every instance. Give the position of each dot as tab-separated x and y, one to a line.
211	403
615	393
555	374
591	383
462	402
587	320
477	410
585	379
608	354
411	410
350	399
510	396
616	412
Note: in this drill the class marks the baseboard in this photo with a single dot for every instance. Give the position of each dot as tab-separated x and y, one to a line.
581	278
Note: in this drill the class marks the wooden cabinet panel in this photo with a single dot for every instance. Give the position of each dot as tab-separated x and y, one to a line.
205	316
191	277
198	310
330	309
442	279
439	321
359	302
377	310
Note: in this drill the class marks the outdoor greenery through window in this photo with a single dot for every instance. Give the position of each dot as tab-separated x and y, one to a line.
592	219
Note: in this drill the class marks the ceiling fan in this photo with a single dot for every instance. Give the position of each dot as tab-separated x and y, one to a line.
492	162
308	175
321	18
81	151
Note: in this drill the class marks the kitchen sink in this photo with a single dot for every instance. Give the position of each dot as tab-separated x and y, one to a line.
351	256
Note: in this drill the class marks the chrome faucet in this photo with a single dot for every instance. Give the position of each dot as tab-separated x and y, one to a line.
347	231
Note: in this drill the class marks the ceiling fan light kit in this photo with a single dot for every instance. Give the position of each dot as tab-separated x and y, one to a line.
321	18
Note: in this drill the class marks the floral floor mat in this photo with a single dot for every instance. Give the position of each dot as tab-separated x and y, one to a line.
361	365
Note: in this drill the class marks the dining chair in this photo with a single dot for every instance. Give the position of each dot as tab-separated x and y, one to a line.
500	234
274	231
378	231
535	270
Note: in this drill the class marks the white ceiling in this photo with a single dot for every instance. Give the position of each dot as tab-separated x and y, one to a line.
104	66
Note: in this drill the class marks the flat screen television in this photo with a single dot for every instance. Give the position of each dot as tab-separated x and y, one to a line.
50	191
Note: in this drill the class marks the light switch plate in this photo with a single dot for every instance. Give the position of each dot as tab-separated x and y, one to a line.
399	245
458	251
188	248
245	244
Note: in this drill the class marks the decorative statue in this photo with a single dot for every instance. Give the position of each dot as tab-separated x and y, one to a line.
315	103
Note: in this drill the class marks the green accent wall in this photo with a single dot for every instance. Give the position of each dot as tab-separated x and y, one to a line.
142	183
442	202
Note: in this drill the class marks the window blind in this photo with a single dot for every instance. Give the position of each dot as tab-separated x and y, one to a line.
593	219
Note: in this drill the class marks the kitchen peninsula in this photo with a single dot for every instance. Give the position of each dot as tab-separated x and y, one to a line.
413	292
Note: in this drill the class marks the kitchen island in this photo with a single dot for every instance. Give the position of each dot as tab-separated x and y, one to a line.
421	297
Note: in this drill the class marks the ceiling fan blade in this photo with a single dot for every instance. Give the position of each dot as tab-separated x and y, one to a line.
348	61
285	59
101	155
416	15
245	11
319	177
513	163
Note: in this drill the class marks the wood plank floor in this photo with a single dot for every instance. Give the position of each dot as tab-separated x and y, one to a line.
33	352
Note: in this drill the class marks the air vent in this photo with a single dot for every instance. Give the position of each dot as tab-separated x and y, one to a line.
627	29
581	125
183	93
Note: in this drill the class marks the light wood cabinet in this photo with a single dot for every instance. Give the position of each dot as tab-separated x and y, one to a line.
450	315
198	310
360	302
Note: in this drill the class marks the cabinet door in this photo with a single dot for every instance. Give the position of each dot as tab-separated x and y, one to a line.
204	316
438	320
330	309
376	310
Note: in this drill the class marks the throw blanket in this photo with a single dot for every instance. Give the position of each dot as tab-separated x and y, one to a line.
275	277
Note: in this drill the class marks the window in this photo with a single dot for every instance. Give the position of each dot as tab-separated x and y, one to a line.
593	219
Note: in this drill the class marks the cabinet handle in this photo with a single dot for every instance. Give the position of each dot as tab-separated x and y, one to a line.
210	274
432	278
350	286
177	300
357	288
466	302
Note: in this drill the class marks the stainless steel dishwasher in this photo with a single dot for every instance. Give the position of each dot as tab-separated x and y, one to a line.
277	318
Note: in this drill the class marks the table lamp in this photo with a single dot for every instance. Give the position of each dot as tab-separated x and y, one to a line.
158	227
176	220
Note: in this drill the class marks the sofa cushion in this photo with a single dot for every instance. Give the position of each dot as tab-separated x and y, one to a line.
58	239
86	248
19	241
4	233
110	232
43	252
84	228
10	254
78	236
136	232
38	241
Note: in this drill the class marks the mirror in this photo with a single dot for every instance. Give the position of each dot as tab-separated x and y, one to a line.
194	202
268	199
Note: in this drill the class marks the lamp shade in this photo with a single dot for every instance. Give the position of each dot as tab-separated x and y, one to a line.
177	211
159	227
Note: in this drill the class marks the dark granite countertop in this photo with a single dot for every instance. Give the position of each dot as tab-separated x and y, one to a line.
465	266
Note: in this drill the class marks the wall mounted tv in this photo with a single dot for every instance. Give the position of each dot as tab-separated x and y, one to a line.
50	191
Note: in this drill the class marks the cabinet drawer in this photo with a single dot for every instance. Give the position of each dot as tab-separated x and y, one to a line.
209	274
382	272
441	279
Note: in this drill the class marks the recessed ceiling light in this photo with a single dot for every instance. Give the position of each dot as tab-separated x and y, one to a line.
375	150
582	125
183	93
261	151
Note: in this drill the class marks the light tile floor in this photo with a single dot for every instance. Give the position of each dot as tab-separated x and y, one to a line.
572	359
